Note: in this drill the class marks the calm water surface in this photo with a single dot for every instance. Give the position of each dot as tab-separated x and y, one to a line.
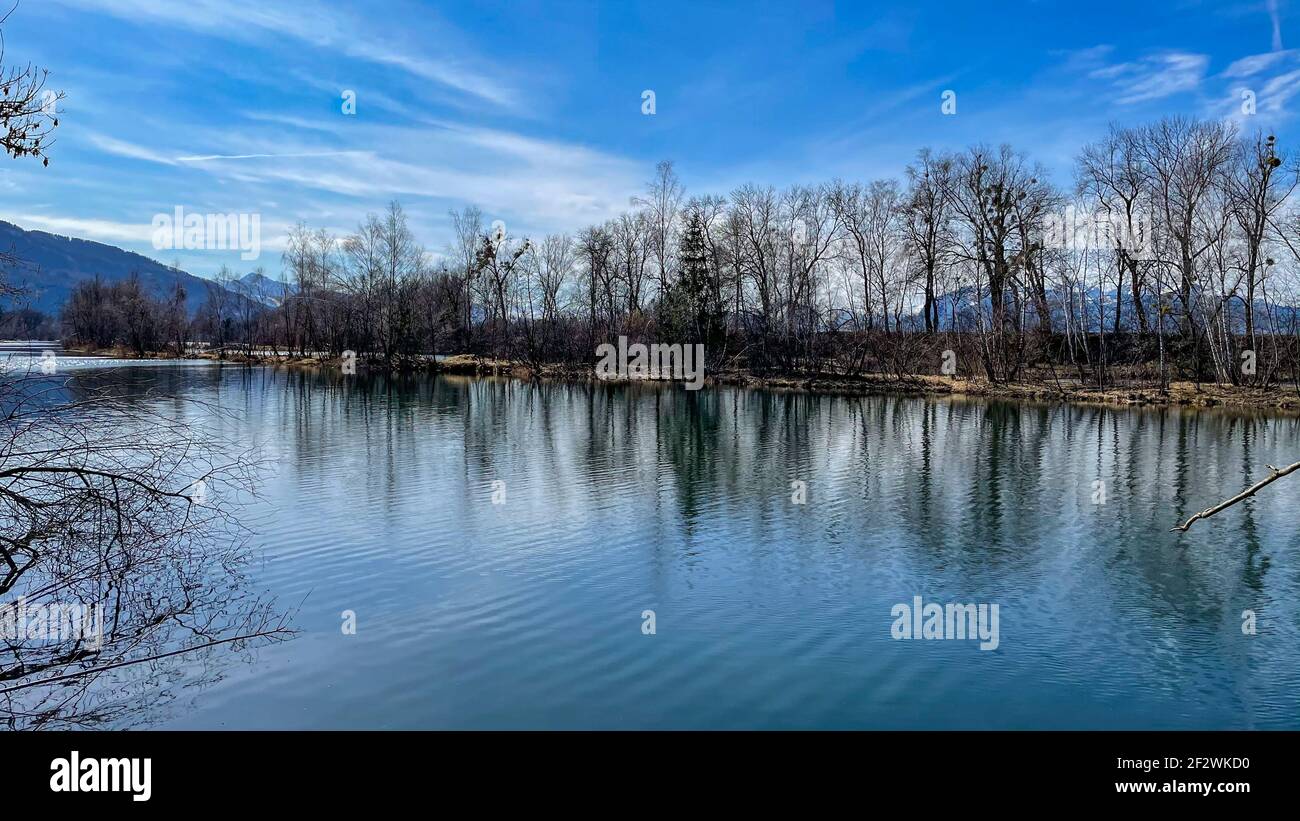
528	614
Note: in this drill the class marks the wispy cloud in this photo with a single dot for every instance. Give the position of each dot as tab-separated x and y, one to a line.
1276	18
307	22
1269	81
545	184
199	158
539	184
1085	60
1278	91
443	72
1155	77
122	148
1256	63
97	229
533	113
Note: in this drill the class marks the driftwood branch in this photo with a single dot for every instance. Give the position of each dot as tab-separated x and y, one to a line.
1273	475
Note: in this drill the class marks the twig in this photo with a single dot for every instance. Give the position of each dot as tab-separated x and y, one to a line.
1273	475
260	634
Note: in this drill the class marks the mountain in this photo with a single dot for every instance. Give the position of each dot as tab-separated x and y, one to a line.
262	289
1287	316
49	267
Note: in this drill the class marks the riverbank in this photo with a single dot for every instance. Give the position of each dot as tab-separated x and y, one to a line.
1179	394
230	356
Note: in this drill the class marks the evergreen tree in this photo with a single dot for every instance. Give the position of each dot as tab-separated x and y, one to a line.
692	307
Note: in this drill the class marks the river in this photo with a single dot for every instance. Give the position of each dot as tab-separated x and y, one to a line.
490	553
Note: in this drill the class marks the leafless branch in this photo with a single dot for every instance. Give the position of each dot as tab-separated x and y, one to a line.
1273	475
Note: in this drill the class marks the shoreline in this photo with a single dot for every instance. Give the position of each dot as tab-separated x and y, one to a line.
1179	395
1277	399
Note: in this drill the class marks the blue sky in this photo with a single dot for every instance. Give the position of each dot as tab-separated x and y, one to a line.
533	110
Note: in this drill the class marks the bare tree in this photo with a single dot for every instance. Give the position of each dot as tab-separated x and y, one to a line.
1183	159
1257	190
1111	174
662	202
927	224
1193	221
467	233
28	111
870	217
990	187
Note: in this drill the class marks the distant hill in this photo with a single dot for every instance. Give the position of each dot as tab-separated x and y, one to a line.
52	265
964	297
263	289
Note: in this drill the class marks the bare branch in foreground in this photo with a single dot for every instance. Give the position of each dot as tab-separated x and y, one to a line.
1273	475
278	632
122	557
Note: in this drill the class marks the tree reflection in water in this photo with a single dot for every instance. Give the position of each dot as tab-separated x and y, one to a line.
118	519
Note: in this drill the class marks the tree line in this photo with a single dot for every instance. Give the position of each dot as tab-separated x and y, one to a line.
1171	254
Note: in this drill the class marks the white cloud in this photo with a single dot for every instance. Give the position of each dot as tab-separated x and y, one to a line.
301	123
308	22
1156	77
1275	18
1278	91
96	229
448	74
201	158
1085	59
122	148
547	184
1272	78
1256	63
